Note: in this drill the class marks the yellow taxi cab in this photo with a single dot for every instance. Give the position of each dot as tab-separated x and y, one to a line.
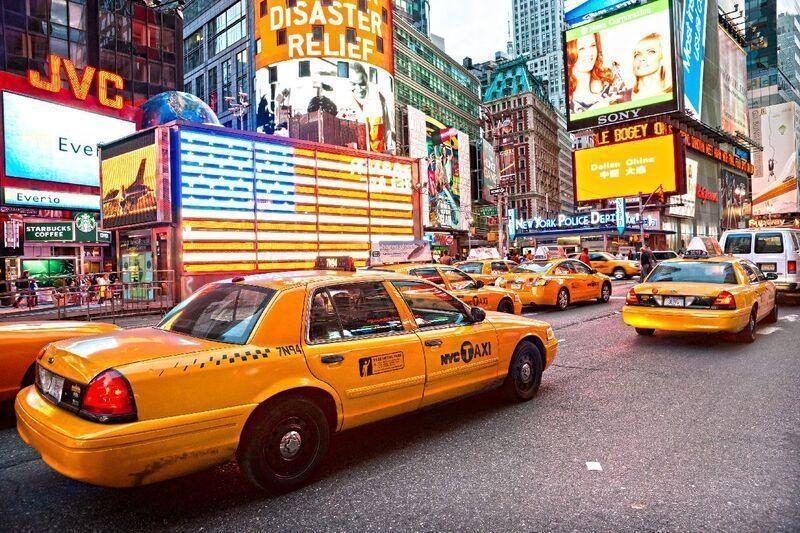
705	292
557	282
263	369
607	264
486	270
21	342
464	286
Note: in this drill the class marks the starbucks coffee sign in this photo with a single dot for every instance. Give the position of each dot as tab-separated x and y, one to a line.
49	232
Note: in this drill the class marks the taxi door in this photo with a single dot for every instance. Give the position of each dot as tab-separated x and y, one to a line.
765	292
461	356
567	276
588	284
357	343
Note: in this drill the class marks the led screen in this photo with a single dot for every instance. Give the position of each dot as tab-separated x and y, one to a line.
50	142
621	67
129	182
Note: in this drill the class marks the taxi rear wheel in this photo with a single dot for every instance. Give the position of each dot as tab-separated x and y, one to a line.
562	300
524	373
748	334
283	443
605	293
619	273
506	306
644	332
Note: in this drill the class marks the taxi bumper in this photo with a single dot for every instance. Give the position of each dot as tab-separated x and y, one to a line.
127	455
686	320
551	350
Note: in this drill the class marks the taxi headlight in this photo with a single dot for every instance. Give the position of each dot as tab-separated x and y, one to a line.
551	334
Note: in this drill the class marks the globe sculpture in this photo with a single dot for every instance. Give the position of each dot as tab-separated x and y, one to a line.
176	105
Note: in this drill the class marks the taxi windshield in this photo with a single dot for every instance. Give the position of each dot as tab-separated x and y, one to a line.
539	267
223	313
471	268
700	272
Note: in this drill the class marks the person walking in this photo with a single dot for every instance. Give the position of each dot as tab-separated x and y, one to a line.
584	257
23	287
648	262
445	258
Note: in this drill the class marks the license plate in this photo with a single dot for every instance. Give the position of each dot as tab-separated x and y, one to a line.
51	384
768	267
674	301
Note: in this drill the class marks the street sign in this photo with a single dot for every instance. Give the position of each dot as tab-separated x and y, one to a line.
488	211
622	216
49	232
512	224
496	191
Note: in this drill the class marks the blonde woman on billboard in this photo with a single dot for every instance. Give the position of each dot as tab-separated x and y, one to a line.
649	68
592	85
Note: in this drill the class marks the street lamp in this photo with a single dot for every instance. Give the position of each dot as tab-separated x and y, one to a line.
238	107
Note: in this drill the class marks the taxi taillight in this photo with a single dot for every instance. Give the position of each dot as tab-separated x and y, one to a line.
108	398
724	302
632	298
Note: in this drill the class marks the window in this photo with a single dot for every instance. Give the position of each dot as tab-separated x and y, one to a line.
597	257
281	35
738	244
499	266
317	33
579	267
769	243
262	8
431	306
699	272
304	69
430	274
471	268
349	311
754	274
224	313
350	36
458	280
343	69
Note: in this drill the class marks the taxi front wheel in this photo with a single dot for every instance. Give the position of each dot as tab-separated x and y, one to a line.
283	443
524	373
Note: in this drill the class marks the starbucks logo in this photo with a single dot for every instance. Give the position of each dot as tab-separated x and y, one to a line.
85	222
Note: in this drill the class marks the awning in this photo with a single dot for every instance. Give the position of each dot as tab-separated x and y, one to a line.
590	231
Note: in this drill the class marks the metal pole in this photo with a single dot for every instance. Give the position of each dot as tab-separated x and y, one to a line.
500	223
641	220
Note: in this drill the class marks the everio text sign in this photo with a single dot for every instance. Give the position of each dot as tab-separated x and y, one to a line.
345	29
628	169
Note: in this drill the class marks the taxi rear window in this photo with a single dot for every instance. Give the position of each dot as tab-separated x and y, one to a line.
700	272
534	266
471	268
223	313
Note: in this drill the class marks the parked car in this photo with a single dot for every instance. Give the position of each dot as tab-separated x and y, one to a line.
774	251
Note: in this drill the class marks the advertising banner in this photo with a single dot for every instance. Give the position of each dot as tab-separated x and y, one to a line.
733	84
393	252
335	58
736	208
44	141
774	183
490	176
579	11
689	200
445	175
621	67
628	169
128	182
693	48
507	167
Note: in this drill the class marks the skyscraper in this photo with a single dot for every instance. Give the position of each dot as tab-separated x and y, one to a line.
416	13
773	67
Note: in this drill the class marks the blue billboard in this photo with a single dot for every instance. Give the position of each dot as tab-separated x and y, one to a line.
693	49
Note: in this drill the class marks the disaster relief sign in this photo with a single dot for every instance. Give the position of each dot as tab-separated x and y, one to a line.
628	169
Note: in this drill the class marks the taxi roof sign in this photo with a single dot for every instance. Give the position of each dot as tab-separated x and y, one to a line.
700	247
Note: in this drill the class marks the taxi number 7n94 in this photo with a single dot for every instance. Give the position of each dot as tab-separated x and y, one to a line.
262	370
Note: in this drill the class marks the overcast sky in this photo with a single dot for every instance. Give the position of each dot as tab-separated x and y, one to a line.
474	28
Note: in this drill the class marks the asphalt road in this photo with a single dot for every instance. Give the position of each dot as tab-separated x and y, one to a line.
691	432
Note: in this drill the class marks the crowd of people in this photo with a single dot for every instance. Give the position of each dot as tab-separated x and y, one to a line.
68	290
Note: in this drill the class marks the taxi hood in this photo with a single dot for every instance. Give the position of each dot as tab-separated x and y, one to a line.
83	359
684	288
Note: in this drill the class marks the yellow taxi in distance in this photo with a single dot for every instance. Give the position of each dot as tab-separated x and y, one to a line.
557	282
703	294
609	265
486	270
263	369
472	291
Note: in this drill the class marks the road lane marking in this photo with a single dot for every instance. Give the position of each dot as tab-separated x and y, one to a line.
789	318
594	466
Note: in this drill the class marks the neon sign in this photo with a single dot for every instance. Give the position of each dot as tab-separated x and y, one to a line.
79	82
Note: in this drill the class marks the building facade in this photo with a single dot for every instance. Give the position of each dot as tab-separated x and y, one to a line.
773	58
417	13
218	57
525	137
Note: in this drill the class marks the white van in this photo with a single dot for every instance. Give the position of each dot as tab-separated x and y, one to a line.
775	251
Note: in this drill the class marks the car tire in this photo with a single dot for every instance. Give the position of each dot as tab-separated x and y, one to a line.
282	444
645	332
506	306
748	334
772	318
605	293
562	300
619	274
524	373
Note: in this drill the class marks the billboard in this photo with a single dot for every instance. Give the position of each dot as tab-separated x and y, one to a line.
774	185
733	84
252	204
446	176
693	48
735	200
44	141
128	182
489	166
629	169
336	58
621	67
579	11
689	199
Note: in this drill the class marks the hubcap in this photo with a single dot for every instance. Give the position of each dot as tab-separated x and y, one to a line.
562	300
290	444
525	372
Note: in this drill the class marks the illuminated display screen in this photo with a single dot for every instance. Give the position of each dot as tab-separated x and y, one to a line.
257	205
51	142
129	182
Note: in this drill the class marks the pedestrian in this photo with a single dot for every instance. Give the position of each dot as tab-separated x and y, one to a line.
23	285
648	261
682	249
445	258
102	288
528	256
584	257
631	257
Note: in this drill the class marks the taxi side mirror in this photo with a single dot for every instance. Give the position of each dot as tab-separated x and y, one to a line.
477	314
771	276
479	284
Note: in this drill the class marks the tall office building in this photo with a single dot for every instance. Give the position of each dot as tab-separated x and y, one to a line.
417	13
773	59
217	56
